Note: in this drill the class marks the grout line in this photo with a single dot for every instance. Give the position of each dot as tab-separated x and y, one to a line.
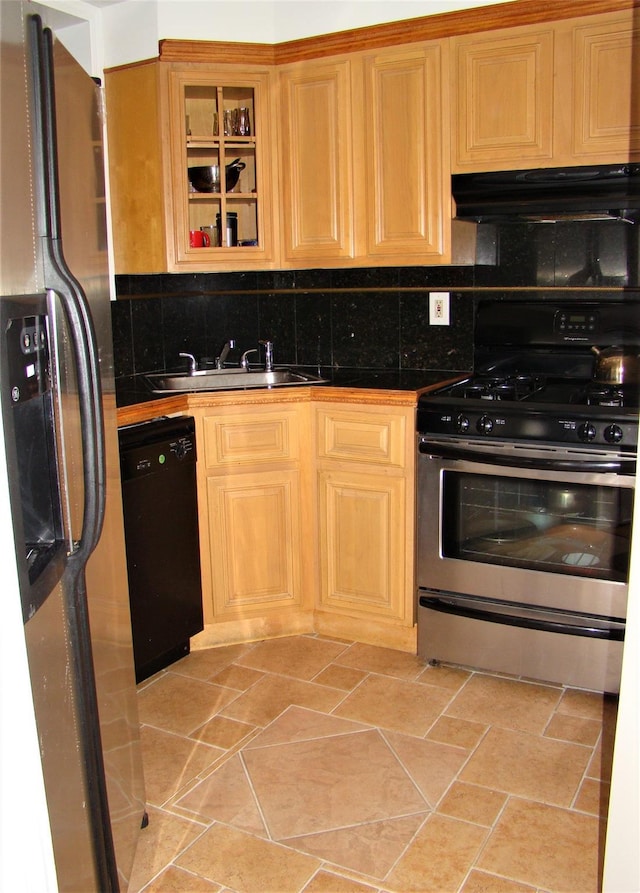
171	807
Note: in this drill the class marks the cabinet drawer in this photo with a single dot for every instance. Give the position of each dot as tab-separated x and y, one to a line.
368	437
250	438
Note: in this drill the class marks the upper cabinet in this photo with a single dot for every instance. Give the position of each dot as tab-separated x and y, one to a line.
546	96
317	161
191	157
503	99
337	151
406	155
602	90
364	159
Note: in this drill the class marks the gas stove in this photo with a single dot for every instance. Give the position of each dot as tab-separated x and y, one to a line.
534	378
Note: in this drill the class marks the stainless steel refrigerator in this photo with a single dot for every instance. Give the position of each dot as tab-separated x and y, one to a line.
59	422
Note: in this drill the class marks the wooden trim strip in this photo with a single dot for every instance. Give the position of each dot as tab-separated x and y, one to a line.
217	51
424	28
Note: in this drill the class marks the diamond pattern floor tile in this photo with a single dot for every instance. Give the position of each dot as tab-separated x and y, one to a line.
311	765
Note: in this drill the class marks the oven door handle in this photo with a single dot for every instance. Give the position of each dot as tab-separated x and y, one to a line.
612	466
613	633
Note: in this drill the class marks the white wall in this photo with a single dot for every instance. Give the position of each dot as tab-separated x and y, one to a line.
132	29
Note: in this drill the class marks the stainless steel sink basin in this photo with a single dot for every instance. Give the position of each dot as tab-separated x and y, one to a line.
227	379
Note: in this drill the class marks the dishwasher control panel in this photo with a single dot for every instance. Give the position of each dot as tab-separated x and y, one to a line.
156	447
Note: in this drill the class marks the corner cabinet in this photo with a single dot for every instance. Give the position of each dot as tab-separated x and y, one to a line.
165	119
253	509
365	504
546	96
364	159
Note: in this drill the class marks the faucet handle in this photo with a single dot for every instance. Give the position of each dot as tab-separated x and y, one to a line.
244	359
193	365
268	355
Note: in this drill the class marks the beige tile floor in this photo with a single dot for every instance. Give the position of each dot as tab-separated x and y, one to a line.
317	765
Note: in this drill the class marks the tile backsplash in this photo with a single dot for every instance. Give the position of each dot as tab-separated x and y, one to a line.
373	318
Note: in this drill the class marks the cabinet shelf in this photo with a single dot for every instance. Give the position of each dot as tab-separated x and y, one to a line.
229	196
214	142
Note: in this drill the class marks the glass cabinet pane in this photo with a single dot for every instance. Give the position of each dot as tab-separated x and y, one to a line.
221	177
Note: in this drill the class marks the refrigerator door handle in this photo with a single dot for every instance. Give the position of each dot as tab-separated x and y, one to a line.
61	282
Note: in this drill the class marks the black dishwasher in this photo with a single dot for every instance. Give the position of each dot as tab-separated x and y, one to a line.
158	470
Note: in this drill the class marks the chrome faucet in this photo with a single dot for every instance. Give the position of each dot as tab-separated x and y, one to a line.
224	353
268	355
193	365
244	359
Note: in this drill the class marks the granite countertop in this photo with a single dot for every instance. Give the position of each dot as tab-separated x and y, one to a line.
134	390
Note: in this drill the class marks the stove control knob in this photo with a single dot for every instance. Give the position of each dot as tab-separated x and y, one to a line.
613	434
485	425
462	424
587	432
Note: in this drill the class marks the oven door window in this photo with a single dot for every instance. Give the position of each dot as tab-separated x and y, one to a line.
577	529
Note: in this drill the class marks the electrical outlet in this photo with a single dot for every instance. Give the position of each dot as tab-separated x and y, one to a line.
439	308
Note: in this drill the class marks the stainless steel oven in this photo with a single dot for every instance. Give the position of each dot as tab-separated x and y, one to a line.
525	500
522	563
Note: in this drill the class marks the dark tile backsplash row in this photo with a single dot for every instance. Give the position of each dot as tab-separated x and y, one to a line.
373	318
310	326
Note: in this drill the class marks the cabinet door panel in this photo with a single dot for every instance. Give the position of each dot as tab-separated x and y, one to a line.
241	438
404	131
316	161
255	541
361	547
607	104
503	99
362	436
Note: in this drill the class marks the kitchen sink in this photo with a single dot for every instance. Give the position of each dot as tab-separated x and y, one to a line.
227	379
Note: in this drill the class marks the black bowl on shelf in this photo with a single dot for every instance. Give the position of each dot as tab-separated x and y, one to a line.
205	179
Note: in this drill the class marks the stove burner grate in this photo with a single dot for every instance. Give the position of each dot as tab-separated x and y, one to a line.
511	387
606	395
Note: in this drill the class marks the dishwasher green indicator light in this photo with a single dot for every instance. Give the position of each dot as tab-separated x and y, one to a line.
162	458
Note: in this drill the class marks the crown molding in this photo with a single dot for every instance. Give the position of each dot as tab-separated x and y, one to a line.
418	30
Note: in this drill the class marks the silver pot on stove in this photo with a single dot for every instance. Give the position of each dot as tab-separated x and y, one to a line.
617	365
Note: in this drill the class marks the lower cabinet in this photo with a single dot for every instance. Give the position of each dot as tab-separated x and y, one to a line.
255	541
251	506
306	521
361	543
365	512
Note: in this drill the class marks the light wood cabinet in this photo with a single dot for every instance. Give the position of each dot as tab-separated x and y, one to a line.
253	505
533	96
317	162
598	116
165	119
306	515
503	99
364	159
365	481
406	155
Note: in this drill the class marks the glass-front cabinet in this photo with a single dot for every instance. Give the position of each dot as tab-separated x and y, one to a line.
220	157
